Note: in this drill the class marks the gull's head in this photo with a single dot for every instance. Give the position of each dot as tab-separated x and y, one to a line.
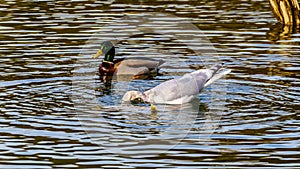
133	96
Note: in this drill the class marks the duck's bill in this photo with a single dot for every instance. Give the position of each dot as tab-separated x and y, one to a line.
97	54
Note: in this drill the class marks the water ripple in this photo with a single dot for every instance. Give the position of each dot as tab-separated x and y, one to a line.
45	48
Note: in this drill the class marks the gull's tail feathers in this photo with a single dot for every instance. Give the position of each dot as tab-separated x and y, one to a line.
210	72
217	75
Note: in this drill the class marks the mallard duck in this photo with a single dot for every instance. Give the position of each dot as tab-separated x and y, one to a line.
180	90
131	66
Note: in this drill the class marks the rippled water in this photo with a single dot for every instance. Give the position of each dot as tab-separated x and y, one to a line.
57	113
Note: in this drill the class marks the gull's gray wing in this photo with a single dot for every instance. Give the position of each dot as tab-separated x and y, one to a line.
180	90
183	89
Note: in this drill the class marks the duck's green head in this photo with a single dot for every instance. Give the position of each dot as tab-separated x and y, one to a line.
108	49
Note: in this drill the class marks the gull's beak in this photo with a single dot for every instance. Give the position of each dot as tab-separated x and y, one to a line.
97	54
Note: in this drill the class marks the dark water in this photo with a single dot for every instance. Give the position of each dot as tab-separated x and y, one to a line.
56	113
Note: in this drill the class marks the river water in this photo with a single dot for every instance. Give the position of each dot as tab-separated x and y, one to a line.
57	113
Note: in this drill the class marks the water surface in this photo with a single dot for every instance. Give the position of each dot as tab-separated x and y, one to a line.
56	113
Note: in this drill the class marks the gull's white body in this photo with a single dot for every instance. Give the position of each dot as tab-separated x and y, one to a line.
180	90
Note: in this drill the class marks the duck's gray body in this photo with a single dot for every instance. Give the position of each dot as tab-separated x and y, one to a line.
138	66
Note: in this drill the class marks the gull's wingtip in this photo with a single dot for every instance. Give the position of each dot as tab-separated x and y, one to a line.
217	76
